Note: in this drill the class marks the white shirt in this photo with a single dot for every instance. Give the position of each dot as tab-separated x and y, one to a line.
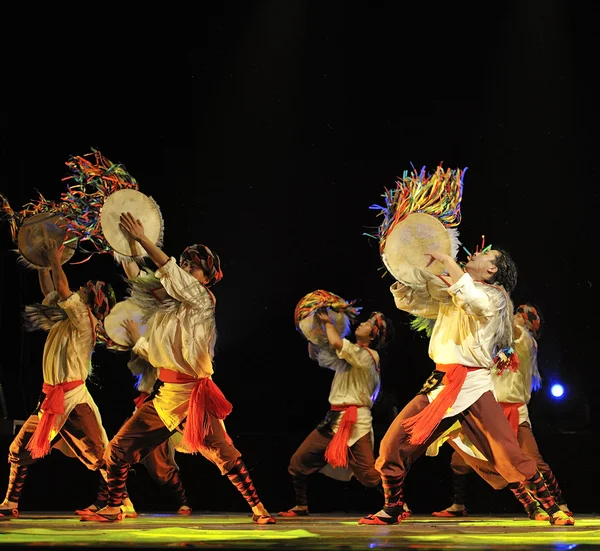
67	356
180	340
70	342
355	383
514	387
468	317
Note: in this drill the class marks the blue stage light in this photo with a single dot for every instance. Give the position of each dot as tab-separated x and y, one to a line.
557	390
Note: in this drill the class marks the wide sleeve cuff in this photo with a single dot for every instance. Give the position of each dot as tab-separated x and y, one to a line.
141	348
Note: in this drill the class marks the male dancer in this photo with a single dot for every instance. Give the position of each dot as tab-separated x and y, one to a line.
473	318
513	391
345	437
66	416
180	343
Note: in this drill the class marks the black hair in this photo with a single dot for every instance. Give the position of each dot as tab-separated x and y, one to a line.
506	275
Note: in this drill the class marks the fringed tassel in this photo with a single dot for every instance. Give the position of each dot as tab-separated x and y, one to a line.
438	194
336	453
506	359
206	399
39	444
13	218
421	426
52	406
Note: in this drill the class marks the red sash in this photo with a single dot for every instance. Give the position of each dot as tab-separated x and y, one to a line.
206	398
336	453
421	426
53	405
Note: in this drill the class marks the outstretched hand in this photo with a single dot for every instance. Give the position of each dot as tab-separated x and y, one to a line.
323	316
435	255
131	226
132	329
52	250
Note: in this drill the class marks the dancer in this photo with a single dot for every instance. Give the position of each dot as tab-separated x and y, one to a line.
513	391
180	343
345	437
473	318
66	416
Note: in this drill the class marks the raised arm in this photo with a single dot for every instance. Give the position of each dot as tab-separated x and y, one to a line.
130	266
59	278
454	271
134	228
45	279
332	335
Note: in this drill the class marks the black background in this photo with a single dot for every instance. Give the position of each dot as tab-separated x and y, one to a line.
266	130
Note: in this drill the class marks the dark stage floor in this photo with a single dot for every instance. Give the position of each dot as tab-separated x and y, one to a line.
210	531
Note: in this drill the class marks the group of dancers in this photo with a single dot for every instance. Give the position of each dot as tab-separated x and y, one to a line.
472	401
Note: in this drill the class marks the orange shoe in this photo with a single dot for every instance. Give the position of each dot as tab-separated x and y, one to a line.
450	514
560	518
294	513
263	519
379	521
106	517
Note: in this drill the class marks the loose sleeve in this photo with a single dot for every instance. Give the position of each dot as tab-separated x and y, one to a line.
473	299
51	299
141	348
414	301
526	350
357	356
183	286
328	359
78	313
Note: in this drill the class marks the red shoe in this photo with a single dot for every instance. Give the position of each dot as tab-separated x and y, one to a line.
450	514
380	521
7	513
184	510
97	517
87	511
294	513
263	519
561	519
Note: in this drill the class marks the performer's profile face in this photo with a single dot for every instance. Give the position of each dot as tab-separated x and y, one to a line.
195	271
482	265
364	329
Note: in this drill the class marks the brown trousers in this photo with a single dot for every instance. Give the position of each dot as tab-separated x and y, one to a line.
463	463
144	431
79	437
160	463
310	457
483	422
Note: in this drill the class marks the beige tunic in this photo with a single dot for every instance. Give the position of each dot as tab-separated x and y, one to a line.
67	355
181	340
465	332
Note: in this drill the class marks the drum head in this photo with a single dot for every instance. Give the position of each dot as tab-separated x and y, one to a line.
35	232
408	243
310	326
142	207
113	323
